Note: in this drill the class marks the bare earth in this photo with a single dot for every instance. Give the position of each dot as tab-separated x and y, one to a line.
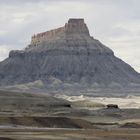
25	116
70	134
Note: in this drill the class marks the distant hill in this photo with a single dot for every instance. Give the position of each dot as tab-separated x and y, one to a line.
70	55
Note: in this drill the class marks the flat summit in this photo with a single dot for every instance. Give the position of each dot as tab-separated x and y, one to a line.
69	54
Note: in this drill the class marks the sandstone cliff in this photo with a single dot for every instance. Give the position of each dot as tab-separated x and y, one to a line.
69	54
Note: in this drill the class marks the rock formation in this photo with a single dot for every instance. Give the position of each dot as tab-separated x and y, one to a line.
69	54
74	26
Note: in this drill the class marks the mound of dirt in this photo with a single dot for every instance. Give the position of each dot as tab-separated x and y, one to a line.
131	125
49	122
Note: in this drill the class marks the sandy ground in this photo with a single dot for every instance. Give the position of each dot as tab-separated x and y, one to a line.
122	102
71	134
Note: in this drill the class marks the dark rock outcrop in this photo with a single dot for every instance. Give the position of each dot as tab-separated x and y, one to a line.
70	54
112	106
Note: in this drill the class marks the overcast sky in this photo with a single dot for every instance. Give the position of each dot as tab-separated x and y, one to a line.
116	23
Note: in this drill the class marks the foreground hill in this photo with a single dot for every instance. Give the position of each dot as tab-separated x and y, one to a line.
30	104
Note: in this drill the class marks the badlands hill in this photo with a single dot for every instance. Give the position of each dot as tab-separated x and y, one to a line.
68	54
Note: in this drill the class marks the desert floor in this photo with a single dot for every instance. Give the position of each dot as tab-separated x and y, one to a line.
69	134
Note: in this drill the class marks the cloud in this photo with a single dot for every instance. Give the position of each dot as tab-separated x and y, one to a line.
115	23
4	51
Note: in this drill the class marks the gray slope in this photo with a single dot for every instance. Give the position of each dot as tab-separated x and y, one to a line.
70	57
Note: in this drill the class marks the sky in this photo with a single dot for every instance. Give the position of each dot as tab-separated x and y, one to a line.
116	23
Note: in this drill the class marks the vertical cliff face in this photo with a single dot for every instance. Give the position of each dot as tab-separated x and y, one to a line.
74	26
70	54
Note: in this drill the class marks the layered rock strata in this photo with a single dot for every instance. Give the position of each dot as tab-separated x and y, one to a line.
69	54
